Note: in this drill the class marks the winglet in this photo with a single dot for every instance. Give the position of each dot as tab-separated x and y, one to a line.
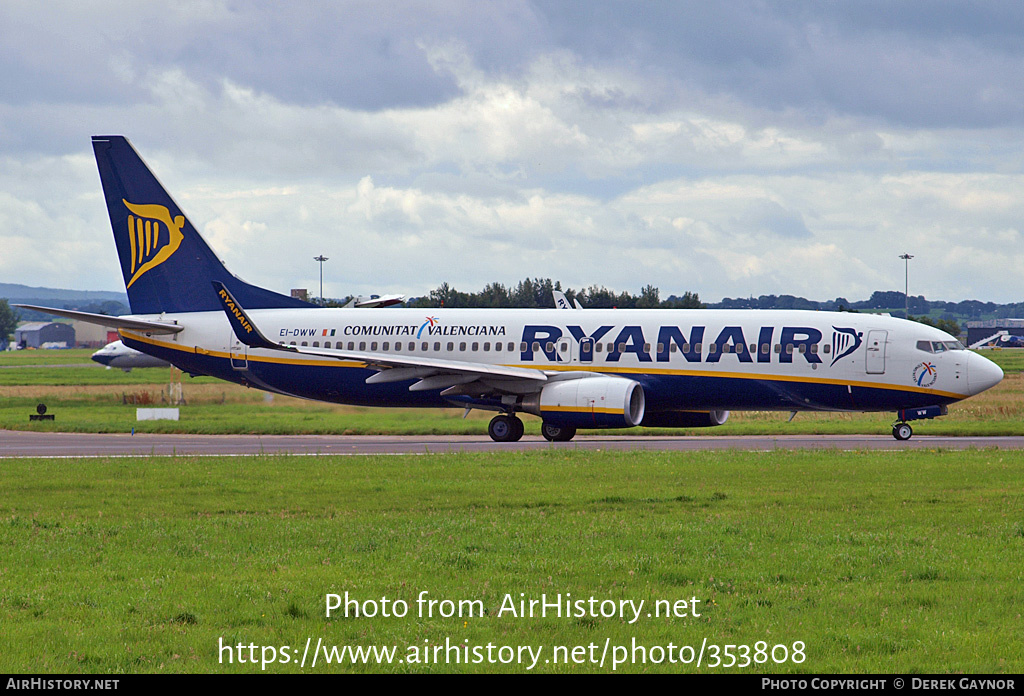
240	322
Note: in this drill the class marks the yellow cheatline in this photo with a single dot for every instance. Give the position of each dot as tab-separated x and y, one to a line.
576	409
743	375
252	358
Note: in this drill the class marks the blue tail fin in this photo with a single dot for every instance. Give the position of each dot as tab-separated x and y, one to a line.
167	266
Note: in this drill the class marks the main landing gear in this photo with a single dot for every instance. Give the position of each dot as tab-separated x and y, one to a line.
508	428
557	433
505	428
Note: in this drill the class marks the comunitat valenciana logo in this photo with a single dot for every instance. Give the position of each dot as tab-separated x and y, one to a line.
153	236
925	374
431	322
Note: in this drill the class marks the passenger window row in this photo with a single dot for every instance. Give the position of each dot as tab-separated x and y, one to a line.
411	346
475	346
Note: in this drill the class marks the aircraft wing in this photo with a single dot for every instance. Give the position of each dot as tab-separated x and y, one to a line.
151	327
433	373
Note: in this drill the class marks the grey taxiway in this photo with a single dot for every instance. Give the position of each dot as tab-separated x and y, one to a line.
36	444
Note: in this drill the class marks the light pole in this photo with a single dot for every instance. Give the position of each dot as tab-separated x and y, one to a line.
906	284
321	258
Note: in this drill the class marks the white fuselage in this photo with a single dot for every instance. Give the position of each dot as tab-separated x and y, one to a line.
685	359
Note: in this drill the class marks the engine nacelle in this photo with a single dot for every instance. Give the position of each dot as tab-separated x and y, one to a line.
589	402
685	419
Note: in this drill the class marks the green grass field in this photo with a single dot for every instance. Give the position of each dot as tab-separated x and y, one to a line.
88	398
877	562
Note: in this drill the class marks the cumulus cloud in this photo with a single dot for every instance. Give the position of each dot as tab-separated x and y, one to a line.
728	149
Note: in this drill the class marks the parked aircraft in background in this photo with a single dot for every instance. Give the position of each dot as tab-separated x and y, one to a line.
574	369
1008	341
117	354
562	303
375	301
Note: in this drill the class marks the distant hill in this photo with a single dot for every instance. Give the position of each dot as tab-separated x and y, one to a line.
891	301
14	292
98	301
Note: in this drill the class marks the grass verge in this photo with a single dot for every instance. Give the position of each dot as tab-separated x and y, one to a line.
878	562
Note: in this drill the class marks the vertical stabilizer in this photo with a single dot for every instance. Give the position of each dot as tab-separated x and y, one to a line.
167	266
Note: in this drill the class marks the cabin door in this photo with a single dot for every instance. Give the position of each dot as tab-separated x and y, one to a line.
876	352
563	347
238	353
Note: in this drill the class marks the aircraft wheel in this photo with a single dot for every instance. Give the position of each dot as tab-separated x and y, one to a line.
557	433
503	429
518	429
902	431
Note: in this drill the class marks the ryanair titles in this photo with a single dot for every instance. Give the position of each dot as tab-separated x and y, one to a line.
693	344
234	311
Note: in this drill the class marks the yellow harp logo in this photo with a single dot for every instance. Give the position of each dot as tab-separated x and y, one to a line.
153	235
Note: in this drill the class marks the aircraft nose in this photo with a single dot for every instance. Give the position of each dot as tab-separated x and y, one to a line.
982	374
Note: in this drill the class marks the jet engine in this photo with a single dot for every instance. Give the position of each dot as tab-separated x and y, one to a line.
589	402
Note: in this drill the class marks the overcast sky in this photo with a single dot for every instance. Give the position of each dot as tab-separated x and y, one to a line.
725	148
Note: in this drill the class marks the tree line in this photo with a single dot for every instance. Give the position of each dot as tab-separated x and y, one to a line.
537	292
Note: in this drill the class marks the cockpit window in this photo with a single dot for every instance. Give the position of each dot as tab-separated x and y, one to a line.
939	346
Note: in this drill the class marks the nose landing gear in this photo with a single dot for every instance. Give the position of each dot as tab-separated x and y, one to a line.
902	431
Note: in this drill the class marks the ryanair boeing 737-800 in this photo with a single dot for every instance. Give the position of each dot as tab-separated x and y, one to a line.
573	368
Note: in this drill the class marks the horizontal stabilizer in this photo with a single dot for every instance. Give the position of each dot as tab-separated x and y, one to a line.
152	327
